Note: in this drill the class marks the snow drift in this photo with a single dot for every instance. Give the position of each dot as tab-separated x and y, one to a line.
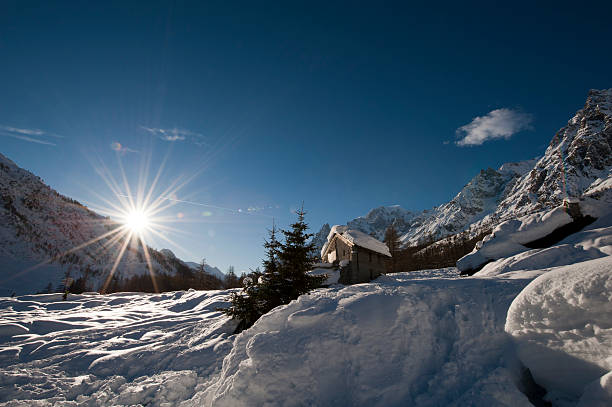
562	323
514	237
397	341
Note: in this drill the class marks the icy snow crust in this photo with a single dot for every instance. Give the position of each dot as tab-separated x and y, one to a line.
403	340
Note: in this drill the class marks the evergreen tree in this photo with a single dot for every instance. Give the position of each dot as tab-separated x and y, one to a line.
284	276
296	259
272	280
246	305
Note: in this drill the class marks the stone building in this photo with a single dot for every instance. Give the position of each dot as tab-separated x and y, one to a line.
359	257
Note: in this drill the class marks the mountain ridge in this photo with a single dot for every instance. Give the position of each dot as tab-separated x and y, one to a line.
43	235
577	161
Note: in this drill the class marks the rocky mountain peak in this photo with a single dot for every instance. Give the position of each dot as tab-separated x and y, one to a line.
578	161
578	155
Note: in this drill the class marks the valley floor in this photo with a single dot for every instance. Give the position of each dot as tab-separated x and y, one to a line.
425	338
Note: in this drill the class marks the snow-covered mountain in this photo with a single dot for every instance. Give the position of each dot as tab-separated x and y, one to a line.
475	201
43	237
320	238
578	161
207	268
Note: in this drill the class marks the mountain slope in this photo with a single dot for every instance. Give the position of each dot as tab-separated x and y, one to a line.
207	268
43	236
475	201
578	161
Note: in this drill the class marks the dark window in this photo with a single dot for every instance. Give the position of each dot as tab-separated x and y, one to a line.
343	252
370	257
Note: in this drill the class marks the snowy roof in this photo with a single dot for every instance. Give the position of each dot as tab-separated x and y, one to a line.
357	238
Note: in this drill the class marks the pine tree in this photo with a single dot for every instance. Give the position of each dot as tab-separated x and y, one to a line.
296	259
273	281
284	277
246	305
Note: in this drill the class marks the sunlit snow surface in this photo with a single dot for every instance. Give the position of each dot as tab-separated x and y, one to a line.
427	338
420	338
115	349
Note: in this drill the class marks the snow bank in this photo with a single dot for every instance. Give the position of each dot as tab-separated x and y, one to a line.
509	237
333	274
562	324
594	242
398	341
541	259
598	393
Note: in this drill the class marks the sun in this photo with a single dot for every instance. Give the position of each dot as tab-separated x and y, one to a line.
137	221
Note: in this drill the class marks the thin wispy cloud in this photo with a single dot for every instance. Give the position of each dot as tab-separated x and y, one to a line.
176	134
120	148
30	135
498	123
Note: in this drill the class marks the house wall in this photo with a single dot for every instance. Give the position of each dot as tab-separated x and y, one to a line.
343	250
364	266
370	265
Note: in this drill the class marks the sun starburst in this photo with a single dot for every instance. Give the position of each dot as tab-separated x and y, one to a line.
134	217
137	221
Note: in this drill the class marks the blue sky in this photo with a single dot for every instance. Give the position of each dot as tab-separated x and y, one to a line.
345	106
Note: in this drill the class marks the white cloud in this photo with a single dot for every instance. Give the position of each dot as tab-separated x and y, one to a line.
29	132
498	123
176	134
31	135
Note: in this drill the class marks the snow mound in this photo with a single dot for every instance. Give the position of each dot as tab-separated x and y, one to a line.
594	242
333	274
598	393
562	324
508	238
397	341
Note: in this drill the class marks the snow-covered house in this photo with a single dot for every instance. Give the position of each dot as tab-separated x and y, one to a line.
360	257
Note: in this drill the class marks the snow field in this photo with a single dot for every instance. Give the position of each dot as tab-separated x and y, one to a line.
117	349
